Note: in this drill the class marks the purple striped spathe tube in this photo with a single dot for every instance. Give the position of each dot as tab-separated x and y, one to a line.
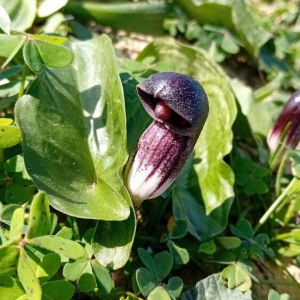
289	114
179	107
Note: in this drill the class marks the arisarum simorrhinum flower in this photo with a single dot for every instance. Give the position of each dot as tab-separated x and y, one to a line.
179	108
290	115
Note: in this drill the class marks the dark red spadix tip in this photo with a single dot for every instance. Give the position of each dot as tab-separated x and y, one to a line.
163	111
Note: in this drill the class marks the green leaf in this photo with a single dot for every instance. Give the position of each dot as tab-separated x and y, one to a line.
7	213
179	230
58	290
4	20
112	242
142	17
208	247
59	245
8	43
206	210
103	279
147	260
15	164
273	295
163	264
8	260
39	221
236	278
80	117
9	136
10	288
66	233
211	288
32	57
87	240
242	229
17	224
53	55
52	39
228	242
229	45
259	119
87	281
48	267
137	119
27	277
174	286
22	13
146	281
16	193
48	7
251	36
12	71
180	255
159	294
73	270
14	52
295	158
263	241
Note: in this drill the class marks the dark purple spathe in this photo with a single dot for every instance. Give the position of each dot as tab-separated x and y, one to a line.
289	114
179	107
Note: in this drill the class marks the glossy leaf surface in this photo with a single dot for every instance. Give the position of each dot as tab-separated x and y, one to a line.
80	124
203	193
22	13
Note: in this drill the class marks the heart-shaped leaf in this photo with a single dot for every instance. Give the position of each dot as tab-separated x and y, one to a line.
39	221
27	277
236	278
75	116
203	192
59	245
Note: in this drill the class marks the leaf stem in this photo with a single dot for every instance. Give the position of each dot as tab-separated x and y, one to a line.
22	86
280	173
275	204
